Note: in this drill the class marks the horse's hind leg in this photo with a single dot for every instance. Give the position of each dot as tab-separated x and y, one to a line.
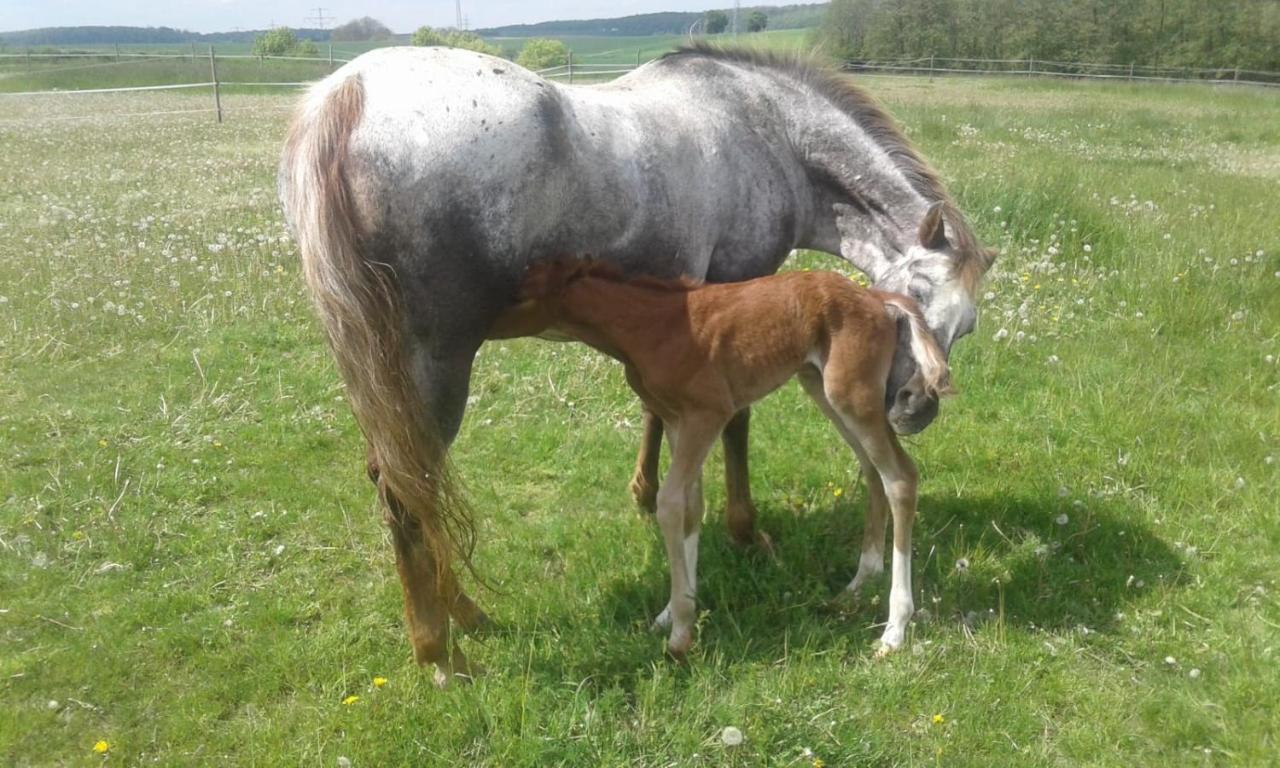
644	482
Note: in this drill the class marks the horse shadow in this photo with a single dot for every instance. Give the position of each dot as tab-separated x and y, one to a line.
1019	563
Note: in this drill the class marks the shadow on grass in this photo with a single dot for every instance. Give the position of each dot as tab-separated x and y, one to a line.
1020	561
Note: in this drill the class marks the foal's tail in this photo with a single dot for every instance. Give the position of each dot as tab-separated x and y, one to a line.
360	307
929	357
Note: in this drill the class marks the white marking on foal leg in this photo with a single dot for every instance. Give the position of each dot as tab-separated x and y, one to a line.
901	606
870	565
663	621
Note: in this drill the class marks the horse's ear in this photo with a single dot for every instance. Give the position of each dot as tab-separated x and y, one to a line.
933	230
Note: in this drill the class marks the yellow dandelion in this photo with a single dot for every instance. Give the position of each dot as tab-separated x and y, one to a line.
378	682
818	763
102	442
352	699
938	719
838	492
101	747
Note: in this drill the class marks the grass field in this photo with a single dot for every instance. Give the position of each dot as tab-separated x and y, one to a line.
18	74
192	570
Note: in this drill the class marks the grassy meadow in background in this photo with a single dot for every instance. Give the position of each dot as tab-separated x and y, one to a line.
192	569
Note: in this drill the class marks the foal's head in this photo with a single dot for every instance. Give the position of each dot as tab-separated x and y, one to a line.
941	273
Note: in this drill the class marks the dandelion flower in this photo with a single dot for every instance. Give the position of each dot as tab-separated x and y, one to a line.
962	564
938	719
732	737
102	443
378	682
101	747
838	492
818	763
1062	519
352	699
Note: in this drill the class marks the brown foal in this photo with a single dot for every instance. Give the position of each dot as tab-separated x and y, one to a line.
699	354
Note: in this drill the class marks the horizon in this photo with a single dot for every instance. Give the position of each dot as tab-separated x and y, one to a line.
205	16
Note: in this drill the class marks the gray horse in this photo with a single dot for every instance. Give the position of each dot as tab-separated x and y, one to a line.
421	182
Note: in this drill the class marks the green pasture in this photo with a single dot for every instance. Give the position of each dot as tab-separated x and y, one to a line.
176	64
193	571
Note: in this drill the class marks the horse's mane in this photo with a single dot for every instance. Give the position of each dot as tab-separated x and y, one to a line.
972	258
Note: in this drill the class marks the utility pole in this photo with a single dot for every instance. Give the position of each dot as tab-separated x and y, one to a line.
737	6
461	22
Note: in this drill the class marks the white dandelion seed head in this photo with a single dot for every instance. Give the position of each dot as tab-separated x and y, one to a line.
1170	661
1194	674
731	736
1062	519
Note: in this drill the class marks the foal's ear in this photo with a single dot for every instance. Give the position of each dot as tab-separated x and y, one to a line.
933	230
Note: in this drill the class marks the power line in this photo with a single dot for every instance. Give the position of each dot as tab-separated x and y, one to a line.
320	20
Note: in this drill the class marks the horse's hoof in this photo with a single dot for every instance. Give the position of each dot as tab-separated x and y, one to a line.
646	495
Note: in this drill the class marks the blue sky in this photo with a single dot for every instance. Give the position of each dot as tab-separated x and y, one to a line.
400	15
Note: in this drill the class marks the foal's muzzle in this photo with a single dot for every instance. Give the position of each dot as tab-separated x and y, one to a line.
912	408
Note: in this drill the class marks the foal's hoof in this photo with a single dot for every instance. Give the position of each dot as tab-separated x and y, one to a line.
845	601
678	650
476	623
661	622
764	543
646	495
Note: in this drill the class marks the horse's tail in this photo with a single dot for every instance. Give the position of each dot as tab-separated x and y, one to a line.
929	357
360	307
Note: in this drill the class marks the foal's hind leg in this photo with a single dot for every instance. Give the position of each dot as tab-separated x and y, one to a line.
644	482
740	510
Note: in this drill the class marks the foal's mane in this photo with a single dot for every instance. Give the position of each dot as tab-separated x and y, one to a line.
972	258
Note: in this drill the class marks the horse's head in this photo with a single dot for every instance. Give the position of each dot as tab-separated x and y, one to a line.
942	275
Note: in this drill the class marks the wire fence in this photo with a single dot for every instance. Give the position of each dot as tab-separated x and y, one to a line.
1030	67
576	71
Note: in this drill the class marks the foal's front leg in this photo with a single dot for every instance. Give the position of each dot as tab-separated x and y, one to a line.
679	517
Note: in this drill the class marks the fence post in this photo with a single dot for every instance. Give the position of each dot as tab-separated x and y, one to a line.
28	59
1236	76
637	58
330	55
1131	71
570	67
1031	66
931	67
117	53
217	98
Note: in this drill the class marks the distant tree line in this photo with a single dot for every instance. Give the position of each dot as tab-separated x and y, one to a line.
139	36
360	30
671	23
1166	33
